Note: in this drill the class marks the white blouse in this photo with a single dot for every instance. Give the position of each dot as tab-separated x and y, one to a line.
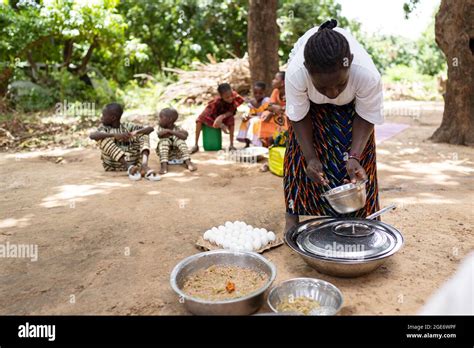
365	84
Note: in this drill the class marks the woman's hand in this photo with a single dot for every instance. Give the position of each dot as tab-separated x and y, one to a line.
314	170
355	170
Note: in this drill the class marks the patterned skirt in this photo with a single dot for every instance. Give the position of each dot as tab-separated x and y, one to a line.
332	129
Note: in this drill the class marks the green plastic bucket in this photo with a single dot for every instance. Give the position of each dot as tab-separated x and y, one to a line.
211	138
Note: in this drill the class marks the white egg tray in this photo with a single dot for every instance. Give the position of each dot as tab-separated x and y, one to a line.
238	236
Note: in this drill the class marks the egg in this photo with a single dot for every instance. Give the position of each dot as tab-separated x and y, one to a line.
248	246
212	238
206	235
226	244
264	240
271	236
219	240
262	233
221	228
264	230
228	224
256	244
214	229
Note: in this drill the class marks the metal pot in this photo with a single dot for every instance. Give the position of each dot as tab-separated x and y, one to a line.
347	198
339	265
328	295
239	306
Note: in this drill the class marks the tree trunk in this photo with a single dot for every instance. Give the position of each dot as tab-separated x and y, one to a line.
5	76
262	38
454	30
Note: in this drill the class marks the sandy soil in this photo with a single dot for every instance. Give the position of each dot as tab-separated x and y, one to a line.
107	245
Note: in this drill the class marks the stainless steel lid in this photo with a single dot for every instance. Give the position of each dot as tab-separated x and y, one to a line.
348	239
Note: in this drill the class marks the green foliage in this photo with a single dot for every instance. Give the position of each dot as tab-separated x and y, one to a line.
177	33
423	55
47	42
388	51
429	57
69	87
28	96
416	85
404	73
295	17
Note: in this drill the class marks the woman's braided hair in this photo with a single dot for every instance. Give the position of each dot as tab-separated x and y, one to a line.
326	50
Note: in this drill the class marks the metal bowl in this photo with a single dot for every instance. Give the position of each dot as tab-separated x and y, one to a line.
347	198
328	295
238	306
338	267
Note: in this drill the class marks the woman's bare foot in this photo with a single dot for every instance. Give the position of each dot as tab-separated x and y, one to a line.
190	165
232	148
164	168
290	221
264	168
194	149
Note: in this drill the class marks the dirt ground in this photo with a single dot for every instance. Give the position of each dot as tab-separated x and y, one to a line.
107	245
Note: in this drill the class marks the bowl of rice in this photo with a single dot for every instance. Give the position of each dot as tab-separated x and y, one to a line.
305	296
222	282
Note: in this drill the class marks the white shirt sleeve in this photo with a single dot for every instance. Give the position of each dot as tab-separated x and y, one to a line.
297	101
369	101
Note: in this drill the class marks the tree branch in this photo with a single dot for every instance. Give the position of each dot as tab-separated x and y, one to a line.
87	57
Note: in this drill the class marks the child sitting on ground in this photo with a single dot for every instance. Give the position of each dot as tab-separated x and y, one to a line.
171	137
274	120
248	131
124	146
219	113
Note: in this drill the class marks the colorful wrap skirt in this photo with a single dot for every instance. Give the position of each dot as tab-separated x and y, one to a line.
332	134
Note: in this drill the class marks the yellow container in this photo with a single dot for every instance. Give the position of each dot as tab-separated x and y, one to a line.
276	159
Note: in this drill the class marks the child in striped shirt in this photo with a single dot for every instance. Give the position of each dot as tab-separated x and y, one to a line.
172	141
124	146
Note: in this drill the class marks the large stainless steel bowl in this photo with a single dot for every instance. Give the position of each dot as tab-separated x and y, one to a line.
239	306
340	267
347	198
329	296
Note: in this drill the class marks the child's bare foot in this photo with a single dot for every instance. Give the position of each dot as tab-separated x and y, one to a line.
190	165
194	149
144	169
133	172
133	169
247	143
164	168
232	148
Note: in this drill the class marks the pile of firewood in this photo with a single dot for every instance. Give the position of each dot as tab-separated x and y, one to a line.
200	85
